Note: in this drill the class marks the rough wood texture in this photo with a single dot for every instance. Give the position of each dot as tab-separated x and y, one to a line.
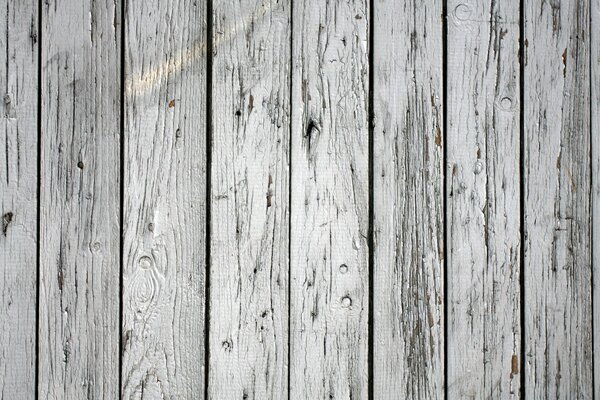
164	200
250	200
330	207
79	203
18	197
595	135
408	201
483	215
558	315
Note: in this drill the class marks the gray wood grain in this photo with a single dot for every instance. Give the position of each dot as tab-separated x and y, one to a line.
408	201
250	200
18	197
330	208
558	315
595	135
164	200
483	215
79	203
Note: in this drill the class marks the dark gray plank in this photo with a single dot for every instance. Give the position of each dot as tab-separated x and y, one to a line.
558	314
79	203
483	215
164	200
408	201
18	197
330	207
250	200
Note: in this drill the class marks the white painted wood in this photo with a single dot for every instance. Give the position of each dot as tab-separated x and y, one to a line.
558	314
250	200
18	197
483	200
164	200
408	338
79	200
330	207
595	137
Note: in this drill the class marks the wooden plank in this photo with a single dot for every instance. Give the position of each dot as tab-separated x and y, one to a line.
595	93
558	315
18	197
164	211
408	201
483	200
250	200
330	206
79	200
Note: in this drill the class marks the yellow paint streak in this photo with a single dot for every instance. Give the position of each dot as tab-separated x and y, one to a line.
146	81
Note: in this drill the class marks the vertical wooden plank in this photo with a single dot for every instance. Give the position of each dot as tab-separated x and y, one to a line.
164	211
483	215
18	197
558	315
408	200
595	137
330	206
250	200
79	203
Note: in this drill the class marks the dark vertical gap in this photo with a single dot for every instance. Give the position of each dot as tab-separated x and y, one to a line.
209	64
591	77
522	188
370	234
122	195
289	288
39	201
444	183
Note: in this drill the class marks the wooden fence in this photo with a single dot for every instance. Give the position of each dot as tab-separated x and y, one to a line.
303	199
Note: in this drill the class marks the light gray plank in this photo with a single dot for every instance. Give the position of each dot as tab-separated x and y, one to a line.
164	200
79	203
18	197
330	208
595	81
250	200
408	201
558	315
483	186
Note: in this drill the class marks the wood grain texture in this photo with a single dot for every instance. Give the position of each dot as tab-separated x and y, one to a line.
595	137
18	197
250	200
164	200
558	314
79	203
408	201
330	207
483	215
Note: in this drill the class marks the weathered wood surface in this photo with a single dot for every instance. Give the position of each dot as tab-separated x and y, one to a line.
595	137
79	200
483	204
249	200
558	313
18	197
164	174
408	201
330	203
164	212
